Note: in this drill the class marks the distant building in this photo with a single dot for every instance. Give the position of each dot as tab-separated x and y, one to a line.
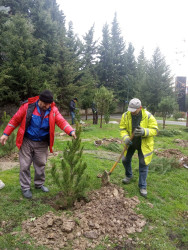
181	89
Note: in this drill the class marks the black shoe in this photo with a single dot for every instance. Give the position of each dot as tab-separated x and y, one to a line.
43	188
27	193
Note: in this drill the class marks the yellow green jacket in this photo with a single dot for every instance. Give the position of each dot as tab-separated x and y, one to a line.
150	126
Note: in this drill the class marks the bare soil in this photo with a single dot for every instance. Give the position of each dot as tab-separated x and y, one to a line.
107	215
9	161
106	141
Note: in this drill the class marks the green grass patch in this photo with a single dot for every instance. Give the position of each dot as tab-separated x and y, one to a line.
165	209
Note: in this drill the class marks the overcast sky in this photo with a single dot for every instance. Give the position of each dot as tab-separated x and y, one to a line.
144	23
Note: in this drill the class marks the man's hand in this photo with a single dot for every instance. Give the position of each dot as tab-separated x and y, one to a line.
139	131
73	134
3	139
128	141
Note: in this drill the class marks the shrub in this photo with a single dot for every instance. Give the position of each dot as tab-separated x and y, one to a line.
107	117
178	115
162	165
10	145
112	147
169	133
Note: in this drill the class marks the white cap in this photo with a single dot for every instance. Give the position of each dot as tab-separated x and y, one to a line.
134	104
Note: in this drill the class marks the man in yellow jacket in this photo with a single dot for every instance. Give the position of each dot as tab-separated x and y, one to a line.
144	126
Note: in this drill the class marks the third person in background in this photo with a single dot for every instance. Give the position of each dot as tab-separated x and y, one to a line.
95	113
72	108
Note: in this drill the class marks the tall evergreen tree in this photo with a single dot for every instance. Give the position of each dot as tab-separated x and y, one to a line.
126	87
90	49
68	69
118	52
141	75
104	67
159	81
21	66
88	79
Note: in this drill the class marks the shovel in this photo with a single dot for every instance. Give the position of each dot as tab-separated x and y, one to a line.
105	177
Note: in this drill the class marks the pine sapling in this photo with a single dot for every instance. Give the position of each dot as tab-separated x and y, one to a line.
70	174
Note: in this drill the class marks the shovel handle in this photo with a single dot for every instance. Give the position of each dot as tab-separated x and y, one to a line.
121	155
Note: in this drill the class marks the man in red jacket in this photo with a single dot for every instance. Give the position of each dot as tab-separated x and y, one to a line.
37	118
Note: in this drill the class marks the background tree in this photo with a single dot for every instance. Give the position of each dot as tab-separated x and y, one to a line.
67	70
37	51
105	65
158	82
141	75
126	88
166	106
117	53
21	72
103	99
88	79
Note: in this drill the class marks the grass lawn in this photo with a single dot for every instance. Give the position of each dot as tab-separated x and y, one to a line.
165	209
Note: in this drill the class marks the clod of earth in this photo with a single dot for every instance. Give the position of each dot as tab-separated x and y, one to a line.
108	214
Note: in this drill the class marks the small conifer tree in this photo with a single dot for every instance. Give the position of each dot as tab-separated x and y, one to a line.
69	175
10	145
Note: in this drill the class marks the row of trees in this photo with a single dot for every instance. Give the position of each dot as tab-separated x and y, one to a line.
37	51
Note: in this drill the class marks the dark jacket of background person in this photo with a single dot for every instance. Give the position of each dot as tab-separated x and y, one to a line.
72	105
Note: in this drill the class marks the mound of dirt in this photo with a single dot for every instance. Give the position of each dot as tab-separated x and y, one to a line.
182	143
177	154
108	215
9	161
106	141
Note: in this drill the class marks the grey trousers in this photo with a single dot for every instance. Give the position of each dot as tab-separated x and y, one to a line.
36	153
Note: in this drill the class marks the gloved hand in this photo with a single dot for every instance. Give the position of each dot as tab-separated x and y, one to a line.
139	131
128	141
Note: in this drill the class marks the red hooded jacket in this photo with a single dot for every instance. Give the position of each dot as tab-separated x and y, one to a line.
23	116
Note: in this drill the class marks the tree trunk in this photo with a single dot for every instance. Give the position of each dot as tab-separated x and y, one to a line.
164	118
101	122
86	113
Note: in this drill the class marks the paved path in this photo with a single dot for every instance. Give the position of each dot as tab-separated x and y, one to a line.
118	116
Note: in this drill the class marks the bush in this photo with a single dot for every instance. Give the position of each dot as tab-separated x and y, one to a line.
169	133
178	115
107	117
162	165
112	147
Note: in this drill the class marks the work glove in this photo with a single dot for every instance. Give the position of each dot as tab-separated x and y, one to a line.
139	131
128	141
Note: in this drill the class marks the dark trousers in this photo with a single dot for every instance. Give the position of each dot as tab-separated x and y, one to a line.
143	168
73	117
95	118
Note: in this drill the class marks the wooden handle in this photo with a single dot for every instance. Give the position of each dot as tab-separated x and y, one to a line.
121	155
